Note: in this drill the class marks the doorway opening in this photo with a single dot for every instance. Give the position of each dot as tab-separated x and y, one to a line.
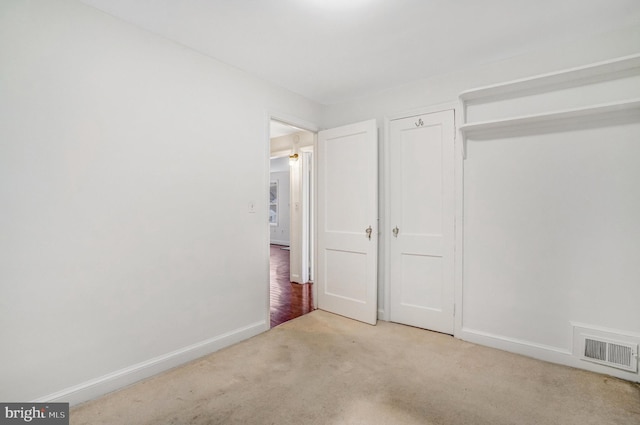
291	221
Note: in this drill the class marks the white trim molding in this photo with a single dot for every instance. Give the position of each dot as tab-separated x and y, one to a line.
279	242
563	356
113	381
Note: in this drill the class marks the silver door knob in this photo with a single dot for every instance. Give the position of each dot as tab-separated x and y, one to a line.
395	231
368	230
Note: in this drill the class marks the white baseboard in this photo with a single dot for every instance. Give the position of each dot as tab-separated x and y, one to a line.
275	242
100	386
541	352
381	315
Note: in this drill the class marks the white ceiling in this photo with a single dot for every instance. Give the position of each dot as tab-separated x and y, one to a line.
336	50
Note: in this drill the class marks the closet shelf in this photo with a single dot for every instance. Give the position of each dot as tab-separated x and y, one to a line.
625	106
595	70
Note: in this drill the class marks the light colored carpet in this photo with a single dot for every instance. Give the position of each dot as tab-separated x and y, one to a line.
326	369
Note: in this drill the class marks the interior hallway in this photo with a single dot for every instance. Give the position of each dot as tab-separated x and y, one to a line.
288	300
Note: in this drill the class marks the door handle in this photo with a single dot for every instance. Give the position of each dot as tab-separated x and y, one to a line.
368	230
395	231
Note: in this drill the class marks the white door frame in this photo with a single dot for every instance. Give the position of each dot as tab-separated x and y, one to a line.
303	125
308	216
385	241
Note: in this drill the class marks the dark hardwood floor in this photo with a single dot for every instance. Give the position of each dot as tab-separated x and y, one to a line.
288	300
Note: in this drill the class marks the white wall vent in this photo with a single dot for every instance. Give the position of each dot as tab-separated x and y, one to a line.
611	353
606	348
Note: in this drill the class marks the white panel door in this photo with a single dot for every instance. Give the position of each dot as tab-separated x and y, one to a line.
422	221
348	220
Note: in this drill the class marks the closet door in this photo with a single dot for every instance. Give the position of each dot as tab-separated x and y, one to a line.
422	221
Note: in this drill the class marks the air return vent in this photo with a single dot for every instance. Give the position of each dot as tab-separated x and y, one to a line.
615	354
607	348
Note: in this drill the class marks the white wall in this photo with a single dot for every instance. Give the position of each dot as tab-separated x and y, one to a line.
127	165
550	223
551	233
280	233
279	165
